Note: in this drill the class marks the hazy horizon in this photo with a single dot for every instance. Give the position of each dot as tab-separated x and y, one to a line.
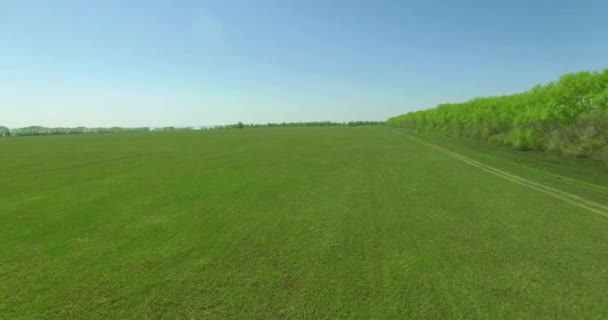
203	63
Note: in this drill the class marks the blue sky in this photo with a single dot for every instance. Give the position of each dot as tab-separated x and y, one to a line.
155	63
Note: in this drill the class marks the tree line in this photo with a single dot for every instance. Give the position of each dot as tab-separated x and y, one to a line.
241	125
45	131
568	116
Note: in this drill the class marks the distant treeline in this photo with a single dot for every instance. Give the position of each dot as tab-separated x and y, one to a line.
569	116
241	125
44	131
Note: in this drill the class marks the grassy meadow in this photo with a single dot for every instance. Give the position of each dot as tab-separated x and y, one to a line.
310	223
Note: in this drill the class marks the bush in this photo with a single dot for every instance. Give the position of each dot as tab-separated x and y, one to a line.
523	139
554	141
569	116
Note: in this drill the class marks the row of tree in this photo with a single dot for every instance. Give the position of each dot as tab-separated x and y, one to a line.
569	116
241	125
43	131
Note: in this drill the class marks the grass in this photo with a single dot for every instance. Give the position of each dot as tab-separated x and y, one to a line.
583	177
291	223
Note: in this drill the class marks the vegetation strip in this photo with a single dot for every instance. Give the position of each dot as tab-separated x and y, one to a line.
568	116
564	196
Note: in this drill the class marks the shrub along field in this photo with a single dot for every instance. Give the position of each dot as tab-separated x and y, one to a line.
361	222
569	116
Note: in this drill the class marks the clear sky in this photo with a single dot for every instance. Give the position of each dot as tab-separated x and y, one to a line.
155	63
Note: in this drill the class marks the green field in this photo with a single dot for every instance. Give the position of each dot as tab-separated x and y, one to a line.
297	223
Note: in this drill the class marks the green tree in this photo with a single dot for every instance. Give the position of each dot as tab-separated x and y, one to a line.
566	116
5	132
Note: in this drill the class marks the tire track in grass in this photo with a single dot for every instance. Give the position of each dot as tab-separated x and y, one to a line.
558	194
